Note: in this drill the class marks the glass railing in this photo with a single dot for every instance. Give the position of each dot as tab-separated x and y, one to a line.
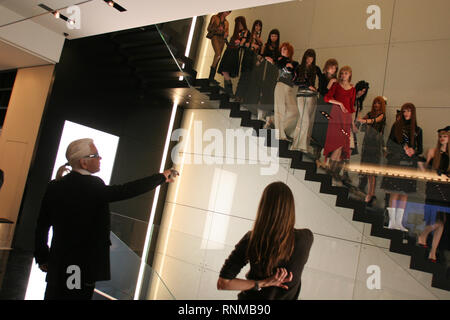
125	268
369	145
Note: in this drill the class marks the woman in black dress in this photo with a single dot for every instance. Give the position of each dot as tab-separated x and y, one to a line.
252	48
229	65
276	251
323	110
372	147
404	146
437	202
268	75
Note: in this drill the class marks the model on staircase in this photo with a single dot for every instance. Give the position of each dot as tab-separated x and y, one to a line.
285	106
337	144
372	147
404	146
218	33
229	65
437	195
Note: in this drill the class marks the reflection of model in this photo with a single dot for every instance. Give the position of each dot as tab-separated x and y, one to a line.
305	78
337	144
218	33
285	106
372	146
323	109
437	202
229	65
252	48
404	145
275	250
269	77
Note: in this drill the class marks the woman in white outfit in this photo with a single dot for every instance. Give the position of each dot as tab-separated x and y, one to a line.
285	105
305	78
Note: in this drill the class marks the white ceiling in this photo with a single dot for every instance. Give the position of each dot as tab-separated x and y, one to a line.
25	44
97	17
12	57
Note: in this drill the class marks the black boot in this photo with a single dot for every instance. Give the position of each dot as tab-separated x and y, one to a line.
362	182
229	88
212	73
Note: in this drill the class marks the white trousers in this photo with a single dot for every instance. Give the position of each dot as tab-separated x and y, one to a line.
285	109
303	129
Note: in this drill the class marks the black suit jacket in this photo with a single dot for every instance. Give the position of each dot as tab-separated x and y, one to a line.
77	206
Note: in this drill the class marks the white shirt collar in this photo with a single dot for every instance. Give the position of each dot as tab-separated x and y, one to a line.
83	172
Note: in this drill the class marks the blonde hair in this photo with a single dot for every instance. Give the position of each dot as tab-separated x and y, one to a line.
346	68
76	150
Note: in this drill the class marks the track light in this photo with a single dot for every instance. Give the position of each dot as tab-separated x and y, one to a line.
56	14
115	5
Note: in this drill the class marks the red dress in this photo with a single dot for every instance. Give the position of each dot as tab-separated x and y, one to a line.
340	124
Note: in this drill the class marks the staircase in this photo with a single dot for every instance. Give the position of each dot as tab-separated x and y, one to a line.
148	58
400	242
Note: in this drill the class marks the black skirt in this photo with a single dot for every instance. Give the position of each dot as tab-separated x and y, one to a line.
320	126
372	146
230	62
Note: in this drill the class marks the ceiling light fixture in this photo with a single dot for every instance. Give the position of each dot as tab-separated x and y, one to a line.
56	14
115	5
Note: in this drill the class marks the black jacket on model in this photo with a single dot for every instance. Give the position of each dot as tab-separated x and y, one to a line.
77	207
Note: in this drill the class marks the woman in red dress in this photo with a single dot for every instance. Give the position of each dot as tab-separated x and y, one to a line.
342	96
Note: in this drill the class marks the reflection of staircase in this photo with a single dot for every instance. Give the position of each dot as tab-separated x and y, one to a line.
143	58
399	241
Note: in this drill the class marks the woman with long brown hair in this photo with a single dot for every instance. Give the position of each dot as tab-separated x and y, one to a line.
437	195
218	33
372	147
305	79
404	146
229	65
276	251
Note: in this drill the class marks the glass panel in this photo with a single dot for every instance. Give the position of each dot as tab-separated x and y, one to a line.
376	157
125	266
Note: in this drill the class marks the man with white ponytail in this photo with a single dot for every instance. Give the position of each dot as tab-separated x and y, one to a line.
76	205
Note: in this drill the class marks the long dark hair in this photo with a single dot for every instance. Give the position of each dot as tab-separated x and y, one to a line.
308	71
257	22
275	45
400	124
360	85
272	238
239	20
